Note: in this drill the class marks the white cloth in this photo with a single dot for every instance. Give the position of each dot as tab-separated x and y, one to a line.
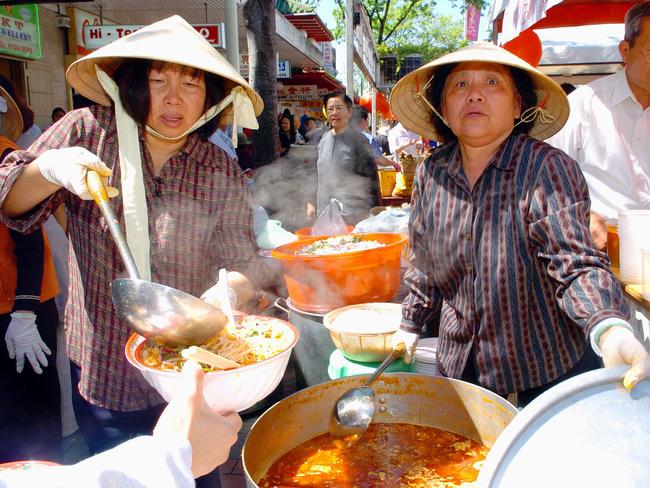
147	461
400	135
29	136
607	133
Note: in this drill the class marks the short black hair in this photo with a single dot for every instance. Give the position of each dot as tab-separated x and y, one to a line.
132	78
57	109
338	94
359	113
522	81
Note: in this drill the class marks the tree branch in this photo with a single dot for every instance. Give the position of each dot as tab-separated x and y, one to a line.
397	24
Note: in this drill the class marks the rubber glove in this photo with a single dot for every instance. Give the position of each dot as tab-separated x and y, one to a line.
68	166
410	341
619	347
23	339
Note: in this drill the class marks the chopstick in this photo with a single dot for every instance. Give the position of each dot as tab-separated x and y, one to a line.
207	357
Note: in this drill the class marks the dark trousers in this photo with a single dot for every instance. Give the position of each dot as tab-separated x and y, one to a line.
103	429
588	362
30	403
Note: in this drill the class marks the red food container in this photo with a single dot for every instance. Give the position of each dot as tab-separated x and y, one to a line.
305	232
323	283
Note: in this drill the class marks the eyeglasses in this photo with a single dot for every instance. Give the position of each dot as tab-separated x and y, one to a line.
335	110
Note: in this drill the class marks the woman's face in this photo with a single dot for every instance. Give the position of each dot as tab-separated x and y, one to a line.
177	99
285	124
480	103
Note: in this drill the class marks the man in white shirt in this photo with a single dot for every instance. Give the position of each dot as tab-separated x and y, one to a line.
609	128
400	140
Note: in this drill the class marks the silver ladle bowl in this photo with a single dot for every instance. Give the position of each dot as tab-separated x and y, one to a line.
153	310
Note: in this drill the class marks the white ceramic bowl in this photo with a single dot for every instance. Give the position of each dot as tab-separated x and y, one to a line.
225	391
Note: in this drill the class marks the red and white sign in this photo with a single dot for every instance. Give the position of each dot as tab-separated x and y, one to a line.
472	23
96	36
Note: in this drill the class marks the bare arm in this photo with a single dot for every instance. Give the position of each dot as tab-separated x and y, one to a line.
29	189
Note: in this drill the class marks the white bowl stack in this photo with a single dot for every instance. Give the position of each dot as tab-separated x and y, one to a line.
633	234
425	356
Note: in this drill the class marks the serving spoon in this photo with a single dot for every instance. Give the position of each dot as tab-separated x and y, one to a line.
353	411
153	310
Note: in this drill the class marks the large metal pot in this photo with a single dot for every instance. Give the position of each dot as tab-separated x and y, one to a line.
312	352
433	401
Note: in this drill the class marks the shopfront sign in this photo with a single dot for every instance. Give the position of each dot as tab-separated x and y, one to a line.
284	67
20	34
81	20
96	36
298	92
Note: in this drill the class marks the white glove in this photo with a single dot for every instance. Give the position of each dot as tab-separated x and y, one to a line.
23	339
410	340
619	347
68	166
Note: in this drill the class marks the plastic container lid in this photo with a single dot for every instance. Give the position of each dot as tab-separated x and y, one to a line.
586	431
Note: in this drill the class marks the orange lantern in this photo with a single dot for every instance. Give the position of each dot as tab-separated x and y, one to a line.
382	103
527	46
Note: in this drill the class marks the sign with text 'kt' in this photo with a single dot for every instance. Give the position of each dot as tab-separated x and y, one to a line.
97	36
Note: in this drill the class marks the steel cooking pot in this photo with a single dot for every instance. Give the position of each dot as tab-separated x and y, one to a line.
440	402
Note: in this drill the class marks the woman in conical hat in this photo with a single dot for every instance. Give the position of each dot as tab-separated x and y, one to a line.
502	258
182	200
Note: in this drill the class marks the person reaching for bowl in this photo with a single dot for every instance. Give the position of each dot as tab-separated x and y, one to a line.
501	255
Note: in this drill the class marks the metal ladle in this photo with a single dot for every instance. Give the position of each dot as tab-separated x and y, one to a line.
153	310
353	411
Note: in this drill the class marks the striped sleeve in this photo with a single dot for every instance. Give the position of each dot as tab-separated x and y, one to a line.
559	229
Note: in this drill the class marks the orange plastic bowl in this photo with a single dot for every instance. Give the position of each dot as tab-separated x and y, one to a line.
305	232
323	283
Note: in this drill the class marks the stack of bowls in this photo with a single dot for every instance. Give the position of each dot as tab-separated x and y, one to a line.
424	359
633	234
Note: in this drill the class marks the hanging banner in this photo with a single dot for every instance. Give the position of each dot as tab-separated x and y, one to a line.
472	22
20	34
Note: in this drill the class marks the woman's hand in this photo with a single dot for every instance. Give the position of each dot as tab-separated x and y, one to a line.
598	231
210	434
620	347
67	167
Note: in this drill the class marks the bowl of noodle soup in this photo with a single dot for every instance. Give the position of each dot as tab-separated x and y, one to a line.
262	345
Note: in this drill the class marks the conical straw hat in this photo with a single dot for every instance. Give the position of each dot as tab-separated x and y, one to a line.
12	121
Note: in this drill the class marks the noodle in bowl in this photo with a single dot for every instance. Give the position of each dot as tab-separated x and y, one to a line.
228	390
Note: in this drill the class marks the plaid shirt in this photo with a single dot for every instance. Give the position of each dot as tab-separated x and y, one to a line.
511	260
200	220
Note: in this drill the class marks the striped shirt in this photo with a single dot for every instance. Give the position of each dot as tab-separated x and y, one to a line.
507	270
200	220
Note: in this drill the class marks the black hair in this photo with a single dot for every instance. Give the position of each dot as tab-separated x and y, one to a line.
132	78
359	113
523	83
338	94
567	87
57	109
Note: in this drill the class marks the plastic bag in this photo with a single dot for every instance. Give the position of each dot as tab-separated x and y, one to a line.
395	220
330	222
273	235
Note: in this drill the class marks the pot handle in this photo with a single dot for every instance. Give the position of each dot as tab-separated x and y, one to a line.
282	304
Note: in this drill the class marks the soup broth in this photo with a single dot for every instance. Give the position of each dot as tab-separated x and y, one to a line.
388	455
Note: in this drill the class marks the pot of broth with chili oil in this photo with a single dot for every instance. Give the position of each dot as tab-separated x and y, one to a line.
427	431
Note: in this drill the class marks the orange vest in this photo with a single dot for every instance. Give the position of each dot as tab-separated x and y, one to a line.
8	272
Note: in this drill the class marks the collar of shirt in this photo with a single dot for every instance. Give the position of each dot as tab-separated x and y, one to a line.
502	160
195	148
621	91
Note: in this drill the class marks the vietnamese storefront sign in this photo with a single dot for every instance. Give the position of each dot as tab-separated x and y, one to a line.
96	36
20	34
298	92
472	22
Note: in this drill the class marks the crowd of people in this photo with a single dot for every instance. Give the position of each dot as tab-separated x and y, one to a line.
506	230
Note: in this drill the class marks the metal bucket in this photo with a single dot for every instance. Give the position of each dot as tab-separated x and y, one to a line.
434	401
312	352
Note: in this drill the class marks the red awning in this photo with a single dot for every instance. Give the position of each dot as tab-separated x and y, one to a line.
312	24
321	79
